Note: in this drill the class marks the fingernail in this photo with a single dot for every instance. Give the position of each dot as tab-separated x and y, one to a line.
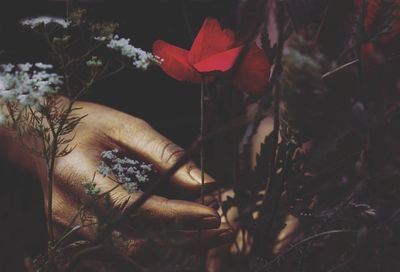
210	222
195	173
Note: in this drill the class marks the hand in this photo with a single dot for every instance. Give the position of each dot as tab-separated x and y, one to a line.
106	129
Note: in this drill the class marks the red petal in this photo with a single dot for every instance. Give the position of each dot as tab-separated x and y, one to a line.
253	75
221	62
230	35
175	62
211	40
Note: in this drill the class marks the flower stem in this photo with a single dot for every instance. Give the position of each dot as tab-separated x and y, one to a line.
202	135
50	181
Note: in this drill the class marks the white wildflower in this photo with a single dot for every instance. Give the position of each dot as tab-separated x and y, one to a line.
7	67
109	154
104	169
128	172
140	58
91	188
102	38
44	20
25	85
43	66
24	67
94	62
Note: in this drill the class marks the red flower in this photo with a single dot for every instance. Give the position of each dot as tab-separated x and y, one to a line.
214	51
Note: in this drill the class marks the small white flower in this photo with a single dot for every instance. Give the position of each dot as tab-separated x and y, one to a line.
108	154
102	38
128	172
104	170
25	85
7	67
24	67
140	58
44	20
94	62
43	66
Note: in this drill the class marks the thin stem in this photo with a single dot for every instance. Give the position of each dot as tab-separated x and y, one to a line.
304	241
202	153
274	185
361	93
321	25
50	168
202	135
50	180
68	8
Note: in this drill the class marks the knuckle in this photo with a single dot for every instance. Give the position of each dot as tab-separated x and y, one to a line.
170	153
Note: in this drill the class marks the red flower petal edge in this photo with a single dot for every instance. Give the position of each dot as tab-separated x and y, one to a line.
210	40
175	62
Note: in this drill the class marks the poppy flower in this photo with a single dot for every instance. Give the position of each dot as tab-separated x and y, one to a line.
214	51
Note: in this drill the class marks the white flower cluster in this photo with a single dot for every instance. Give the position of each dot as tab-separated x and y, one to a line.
91	188
94	62
44	20
129	173
141	59
26	84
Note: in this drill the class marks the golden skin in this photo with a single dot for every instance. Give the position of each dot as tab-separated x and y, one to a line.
104	129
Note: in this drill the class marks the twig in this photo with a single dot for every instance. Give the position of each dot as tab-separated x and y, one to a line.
339	69
265	221
321	25
302	242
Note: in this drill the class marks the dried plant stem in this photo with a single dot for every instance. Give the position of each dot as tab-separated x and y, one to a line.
202	151
50	166
321	25
50	181
272	197
303	242
361	94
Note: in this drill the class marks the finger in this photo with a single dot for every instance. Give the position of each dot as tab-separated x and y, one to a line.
155	212
210	201
188	242
162	213
139	138
207	239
